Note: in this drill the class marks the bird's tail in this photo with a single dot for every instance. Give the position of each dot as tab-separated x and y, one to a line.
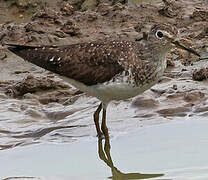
41	56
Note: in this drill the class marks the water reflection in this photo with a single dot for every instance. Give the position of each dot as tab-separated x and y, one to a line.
105	155
21	138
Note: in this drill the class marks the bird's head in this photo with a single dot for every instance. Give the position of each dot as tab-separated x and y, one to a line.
164	37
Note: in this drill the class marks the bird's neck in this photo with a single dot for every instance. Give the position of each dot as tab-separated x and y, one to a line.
159	58
160	61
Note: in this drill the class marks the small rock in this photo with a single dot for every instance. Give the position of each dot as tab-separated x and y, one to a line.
171	9
33	84
175	87
21	16
89	5
48	14
118	6
76	3
193	96
104	9
200	74
170	63
71	28
176	111
145	103
200	15
67	9
91	16
34	27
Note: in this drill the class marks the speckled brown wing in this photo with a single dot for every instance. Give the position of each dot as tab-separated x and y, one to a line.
89	63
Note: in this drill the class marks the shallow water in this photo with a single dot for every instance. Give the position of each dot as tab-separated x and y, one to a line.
177	150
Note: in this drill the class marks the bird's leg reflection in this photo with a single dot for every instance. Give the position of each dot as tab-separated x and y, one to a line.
103	125
105	156
96	120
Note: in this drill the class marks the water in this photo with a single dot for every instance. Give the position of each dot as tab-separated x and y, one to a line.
176	150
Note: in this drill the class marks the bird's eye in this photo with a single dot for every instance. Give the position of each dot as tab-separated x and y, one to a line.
159	34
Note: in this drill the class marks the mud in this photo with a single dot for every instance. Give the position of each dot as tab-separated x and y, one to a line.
200	74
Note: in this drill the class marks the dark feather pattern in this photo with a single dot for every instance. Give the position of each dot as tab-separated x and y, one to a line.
89	63
95	62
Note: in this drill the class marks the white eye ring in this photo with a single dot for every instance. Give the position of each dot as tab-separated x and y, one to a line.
159	34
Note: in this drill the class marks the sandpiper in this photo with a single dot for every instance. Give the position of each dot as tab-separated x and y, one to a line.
108	70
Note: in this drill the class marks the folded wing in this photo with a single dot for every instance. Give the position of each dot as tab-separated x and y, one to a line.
89	63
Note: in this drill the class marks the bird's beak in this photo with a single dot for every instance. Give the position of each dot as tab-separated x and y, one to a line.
178	45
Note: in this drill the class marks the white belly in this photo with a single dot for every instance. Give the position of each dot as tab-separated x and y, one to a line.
107	93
